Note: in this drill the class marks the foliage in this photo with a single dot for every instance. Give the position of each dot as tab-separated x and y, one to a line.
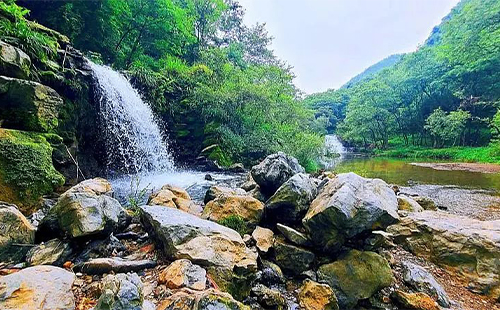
236	223
137	194
444	94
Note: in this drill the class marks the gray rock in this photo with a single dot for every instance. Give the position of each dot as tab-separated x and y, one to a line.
275	170
422	281
292	199
292	259
14	62
121	292
271	274
115	264
293	235
216	191
15	230
269	298
53	252
347	206
406	203
39	287
28	105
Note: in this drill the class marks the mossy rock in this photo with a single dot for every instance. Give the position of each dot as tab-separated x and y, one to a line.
26	169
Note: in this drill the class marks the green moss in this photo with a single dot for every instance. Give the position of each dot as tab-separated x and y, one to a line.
222	159
26	168
236	223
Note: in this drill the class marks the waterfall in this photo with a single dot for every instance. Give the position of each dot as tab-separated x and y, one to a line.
333	152
133	139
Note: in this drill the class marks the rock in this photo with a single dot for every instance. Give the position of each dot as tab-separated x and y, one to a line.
406	203
293	235
208	244
116	264
270	298
264	238
315	296
53	252
249	183
348	206
271	274
26	169
426	203
162	197
291	258
83	211
245	207
419	279
182	273
28	105
121	292
174	197
275	170
39	287
96	186
257	194
356	275
467	246
177	191
378	239
237	168
292	199
15	230
14	62
186	299
415	301
216	191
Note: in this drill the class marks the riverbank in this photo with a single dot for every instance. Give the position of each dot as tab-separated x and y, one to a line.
472	167
487	154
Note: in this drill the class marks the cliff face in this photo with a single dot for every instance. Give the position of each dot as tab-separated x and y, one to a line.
48	117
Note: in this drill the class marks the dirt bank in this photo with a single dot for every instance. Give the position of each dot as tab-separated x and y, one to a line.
473	167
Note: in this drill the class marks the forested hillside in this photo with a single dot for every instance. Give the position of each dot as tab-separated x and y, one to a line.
213	80
447	93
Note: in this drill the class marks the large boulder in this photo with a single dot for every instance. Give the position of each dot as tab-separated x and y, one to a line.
28	105
39	287
356	275
215	191
469	247
422	281
292	199
14	62
245	207
348	206
316	296
85	210
121	292
26	169
14	229
275	170
292	259
220	249
186	299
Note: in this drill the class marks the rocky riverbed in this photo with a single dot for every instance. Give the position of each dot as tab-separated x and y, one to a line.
281	239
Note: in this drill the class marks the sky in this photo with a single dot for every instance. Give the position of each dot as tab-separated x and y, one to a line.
330	41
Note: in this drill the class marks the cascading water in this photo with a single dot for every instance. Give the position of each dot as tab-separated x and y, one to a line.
333	152
133	138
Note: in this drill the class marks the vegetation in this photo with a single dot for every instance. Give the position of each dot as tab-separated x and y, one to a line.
237	223
213	80
446	94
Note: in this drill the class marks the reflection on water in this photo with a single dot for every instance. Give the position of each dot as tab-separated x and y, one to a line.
399	171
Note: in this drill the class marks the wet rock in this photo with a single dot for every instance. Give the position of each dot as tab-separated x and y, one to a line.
15	230
291	258
53	252
292	199
206	243
186	299
406	203
85	210
469	247
121	292
415	301
215	191
115	264
14	62
275	170
245	207
293	235
269	298
271	274
39	287
28	105
316	296
264	238
356	275
419	279
348	206
177	191
182	273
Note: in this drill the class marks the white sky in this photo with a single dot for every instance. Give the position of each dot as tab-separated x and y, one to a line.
330	41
